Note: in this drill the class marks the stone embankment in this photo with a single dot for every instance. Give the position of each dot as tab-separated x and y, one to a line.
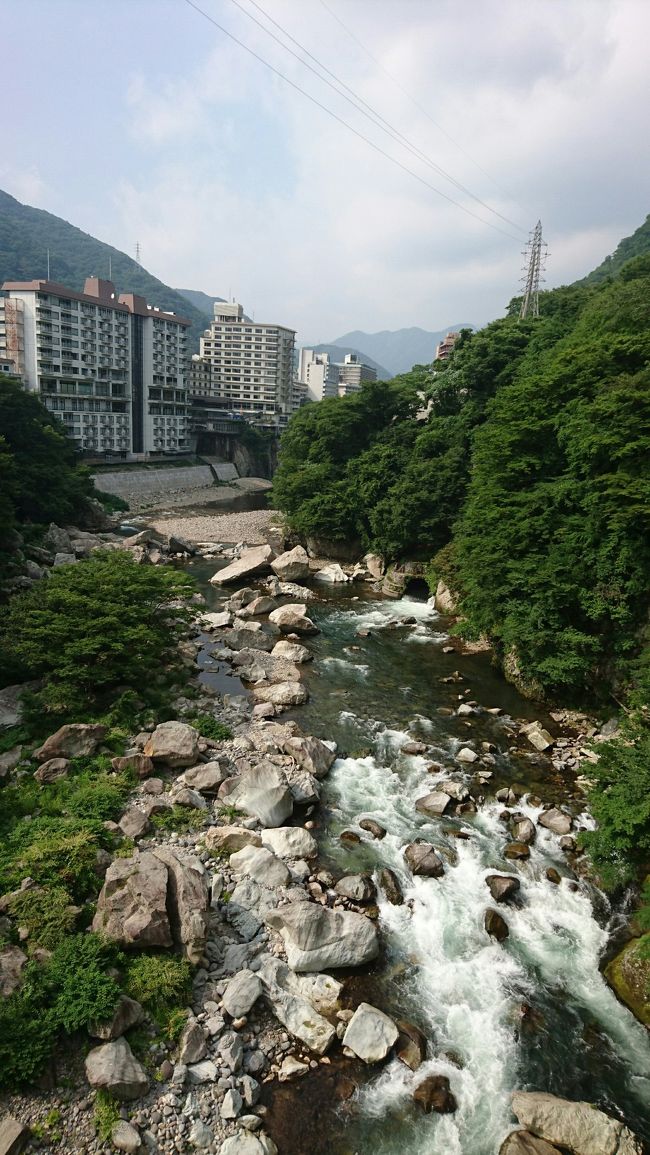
150	489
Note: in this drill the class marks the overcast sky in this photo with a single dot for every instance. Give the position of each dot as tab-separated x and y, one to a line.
140	121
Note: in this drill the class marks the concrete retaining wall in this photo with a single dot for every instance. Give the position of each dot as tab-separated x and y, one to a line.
144	482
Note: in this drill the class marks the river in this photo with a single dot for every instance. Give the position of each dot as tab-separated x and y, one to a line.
533	1012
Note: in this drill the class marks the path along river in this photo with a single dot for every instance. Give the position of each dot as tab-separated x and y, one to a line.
533	1012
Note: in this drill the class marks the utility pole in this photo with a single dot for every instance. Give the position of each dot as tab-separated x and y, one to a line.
535	254
137	252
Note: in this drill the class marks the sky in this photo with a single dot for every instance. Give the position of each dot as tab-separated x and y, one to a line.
142	122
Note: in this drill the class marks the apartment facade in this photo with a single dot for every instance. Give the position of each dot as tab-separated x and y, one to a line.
325	378
111	368
445	348
352	374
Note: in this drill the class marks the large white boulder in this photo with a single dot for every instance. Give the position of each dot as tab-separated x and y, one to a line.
292	619
114	1068
370	1034
310	753
292	565
251	561
290	842
317	938
242	993
260	864
174	743
132	904
263	793
332	573
581	1128
282	693
291	651
188	900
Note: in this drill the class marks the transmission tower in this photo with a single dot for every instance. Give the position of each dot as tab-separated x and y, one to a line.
137	252
535	254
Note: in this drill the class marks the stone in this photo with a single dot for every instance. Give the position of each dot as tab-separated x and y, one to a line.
292	565
201	1137
186	797
127	1014
14	1136
251	561
264	793
433	1094
192	1044
524	1143
231	1050
311	754
232	1104
538	737
456	790
216	621
516	850
112	1067
260	864
125	1137
230	838
577	1126
332	573
206	777
373	828
495	925
174	743
282	694
291	1068
71	741
317	938
628	974
356	887
390	885
502	887
413	748
242	993
11	707
290	842
433	805
292	619
444	600
553	875
188	901
261	605
298	1015
52	770
423	860
466	755
411	1047
370	1034
132	905
555	821
246	1144
291	652
12	963
142	765
203	1072
240	639
134	823
522	829
64	559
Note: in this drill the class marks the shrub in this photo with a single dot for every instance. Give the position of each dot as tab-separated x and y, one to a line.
107	1114
46	912
83	992
158	982
54	852
209	727
111	502
179	818
620	802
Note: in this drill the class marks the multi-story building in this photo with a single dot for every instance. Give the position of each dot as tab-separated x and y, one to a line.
319	374
111	368
245	367
352	373
445	347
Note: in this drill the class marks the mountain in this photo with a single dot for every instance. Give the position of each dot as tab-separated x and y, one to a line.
337	353
26	234
398	350
201	301
635	246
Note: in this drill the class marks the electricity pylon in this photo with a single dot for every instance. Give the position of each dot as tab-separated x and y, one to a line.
535	254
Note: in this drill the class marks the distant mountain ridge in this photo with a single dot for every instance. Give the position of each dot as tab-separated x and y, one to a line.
636	245
27	233
201	301
399	350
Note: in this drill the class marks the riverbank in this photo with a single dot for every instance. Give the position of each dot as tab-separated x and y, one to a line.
250	528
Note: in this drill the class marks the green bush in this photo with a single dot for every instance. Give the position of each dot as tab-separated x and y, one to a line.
620	802
107	1114
159	982
47	913
54	852
209	727
179	818
111	502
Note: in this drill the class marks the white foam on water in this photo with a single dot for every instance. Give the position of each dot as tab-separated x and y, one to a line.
380	615
346	667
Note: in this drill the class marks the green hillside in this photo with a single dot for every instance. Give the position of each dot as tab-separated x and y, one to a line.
635	246
27	233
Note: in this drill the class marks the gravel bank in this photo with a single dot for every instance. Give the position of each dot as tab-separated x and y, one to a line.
250	527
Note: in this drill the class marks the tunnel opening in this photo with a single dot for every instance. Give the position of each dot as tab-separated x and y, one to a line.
417	588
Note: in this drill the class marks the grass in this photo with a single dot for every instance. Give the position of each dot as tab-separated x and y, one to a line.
179	818
209	727
106	1115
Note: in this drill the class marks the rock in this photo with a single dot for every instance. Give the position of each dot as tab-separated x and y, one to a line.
282	694
71	741
204	1072
192	1045
356	887
522	829
628	974
134	823
52	770
143	766
246	1144
466	755
332	573
127	1013
174	743
411	1048
188	901
64	559
568	843
292	652
291	1068
444	600
372	827
232	1104
298	1015
113	1068
370	1034
132	905
433	805
524	1143
231	1050
317	938
375	565
186	797
14	1137
251	561
538	737
10	760
12	963
264	793
261	605
242	993
290	842
292	619
422	859
292	565
390	885
555	820
578	1126
206	777
216	621
456	790
433	1094
201	1137
260	864
11	707
495	925
553	875
242	639
413	747
125	1137
230	838
257	665
310	753
502	887
516	850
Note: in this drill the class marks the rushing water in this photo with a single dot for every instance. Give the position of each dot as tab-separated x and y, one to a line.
532	1012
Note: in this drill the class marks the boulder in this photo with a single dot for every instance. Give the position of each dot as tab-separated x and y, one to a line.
628	974
11	706
132	905
290	842
52	770
10	759
14	1136
205	1071
516	850
143	766
538	737
375	565
256	665
524	1143
502	886
243	639
230	838
310	753
126	1015
183	796
321	991
292	565
522	829
206	777
298	1016
12	962
261	865
188	901
466	755
251	561
433	805
282	694
242	993
264	793
258	606
317	938
577	1126
332	573
373	828
411	1048
422	859
192	1046
216	621
134	823
113	1068
292	652
370	1034
433	1094
125	1137
390	885
71	741
444	600
174	743
292	619
243	1143
555	820
356	887
495	925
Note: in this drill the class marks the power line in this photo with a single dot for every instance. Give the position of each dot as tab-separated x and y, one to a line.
340	120
415	102
357	102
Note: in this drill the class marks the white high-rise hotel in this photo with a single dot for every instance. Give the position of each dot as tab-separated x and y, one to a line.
112	368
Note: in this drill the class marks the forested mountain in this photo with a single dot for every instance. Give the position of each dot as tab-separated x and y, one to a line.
201	301
26	234
635	246
397	349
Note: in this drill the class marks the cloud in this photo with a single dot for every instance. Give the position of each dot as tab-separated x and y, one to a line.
25	184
